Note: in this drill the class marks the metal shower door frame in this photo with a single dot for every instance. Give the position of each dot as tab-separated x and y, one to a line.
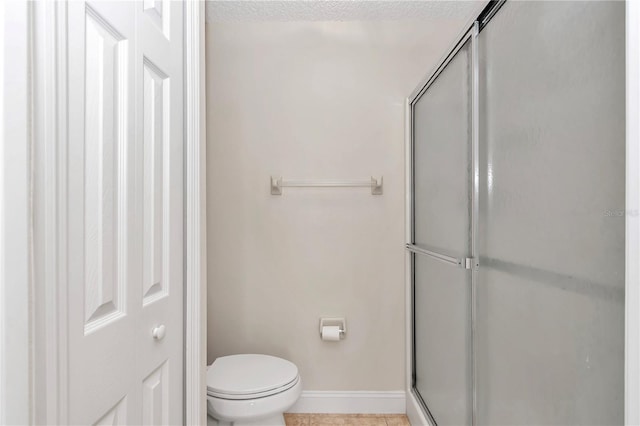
414	250
471	32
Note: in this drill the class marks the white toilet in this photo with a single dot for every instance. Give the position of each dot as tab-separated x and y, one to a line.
251	389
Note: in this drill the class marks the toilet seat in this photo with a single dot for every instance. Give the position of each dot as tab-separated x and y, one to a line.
255	395
250	376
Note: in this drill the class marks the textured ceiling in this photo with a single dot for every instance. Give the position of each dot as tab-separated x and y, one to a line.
346	10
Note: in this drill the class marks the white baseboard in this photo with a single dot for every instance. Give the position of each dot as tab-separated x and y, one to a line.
350	402
414	412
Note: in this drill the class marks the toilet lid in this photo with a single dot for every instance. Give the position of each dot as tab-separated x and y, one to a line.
249	374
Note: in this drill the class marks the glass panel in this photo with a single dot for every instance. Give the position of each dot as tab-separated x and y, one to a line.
442	339
550	301
442	159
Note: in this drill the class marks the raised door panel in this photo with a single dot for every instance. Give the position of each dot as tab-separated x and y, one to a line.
116	416
155	394
156	107
104	155
159	12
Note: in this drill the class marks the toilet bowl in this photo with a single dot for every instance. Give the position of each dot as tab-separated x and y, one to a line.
250	389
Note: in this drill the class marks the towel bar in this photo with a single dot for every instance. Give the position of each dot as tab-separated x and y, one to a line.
277	183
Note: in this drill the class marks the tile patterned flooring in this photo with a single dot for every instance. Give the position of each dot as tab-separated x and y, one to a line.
346	420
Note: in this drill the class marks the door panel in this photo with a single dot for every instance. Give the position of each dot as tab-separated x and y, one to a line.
103	228
550	316
548	300
155	109
159	12
442	159
102	316
125	212
160	132
441	216
116	416
442	339
155	395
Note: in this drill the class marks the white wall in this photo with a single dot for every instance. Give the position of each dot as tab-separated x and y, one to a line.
311	100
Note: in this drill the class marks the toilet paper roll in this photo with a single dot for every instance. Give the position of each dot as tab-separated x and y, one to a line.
331	333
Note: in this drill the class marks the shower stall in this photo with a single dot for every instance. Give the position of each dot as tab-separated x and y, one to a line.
516	238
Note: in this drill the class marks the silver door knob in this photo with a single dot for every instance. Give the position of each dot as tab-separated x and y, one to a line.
159	332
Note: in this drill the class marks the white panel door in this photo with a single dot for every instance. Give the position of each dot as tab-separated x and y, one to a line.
125	213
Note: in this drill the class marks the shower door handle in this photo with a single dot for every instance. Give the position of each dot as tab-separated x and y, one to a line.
464	262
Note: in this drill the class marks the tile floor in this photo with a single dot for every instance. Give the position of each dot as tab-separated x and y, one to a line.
346	420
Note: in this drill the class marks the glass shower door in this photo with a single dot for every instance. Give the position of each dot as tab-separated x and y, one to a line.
518	220
550	288
442	164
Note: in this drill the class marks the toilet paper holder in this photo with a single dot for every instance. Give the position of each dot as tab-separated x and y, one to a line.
340	322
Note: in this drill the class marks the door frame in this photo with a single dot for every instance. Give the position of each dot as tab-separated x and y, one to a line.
16	349
42	383
632	219
195	294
